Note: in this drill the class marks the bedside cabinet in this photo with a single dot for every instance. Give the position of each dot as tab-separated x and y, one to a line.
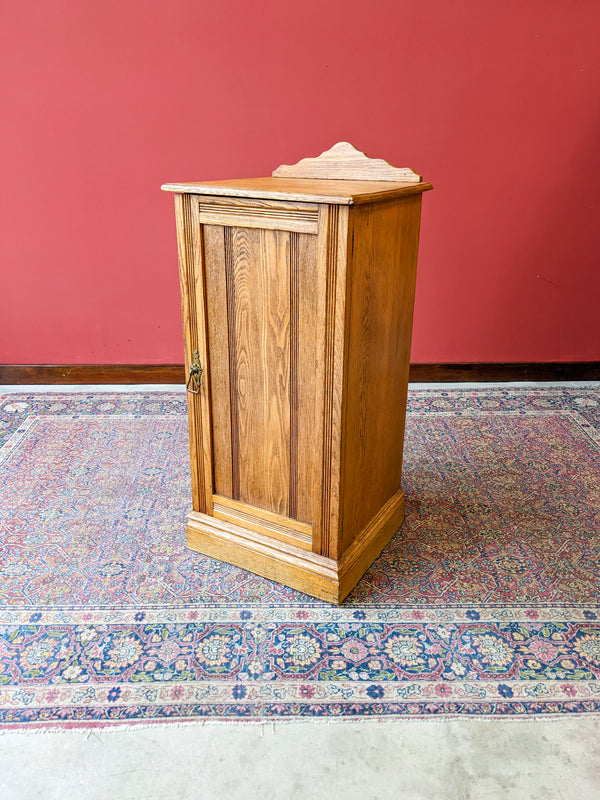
297	296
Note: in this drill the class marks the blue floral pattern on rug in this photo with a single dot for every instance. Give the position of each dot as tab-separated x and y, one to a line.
485	602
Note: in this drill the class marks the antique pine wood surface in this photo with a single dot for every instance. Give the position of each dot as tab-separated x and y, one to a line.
187	246
301	313
343	160
383	243
333	267
301	569
262	352
339	192
257	213
279	559
369	544
285	529
260	356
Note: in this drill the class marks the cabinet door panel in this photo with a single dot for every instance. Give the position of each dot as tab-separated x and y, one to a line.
261	365
261	304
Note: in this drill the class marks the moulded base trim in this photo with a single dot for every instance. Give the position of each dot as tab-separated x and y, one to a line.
300	569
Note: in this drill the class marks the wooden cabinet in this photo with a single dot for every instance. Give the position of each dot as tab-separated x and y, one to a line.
297	295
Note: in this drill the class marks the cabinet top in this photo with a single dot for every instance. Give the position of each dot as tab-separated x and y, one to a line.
341	175
339	192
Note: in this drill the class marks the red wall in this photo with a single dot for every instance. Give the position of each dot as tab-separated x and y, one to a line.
495	102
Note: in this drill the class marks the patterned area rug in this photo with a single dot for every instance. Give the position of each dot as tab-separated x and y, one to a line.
485	602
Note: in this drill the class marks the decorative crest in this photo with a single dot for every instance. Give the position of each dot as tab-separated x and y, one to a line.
344	162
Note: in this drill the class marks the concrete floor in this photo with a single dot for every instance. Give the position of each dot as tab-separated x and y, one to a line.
549	759
552	759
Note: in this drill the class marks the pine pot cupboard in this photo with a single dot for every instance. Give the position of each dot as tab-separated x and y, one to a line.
297	296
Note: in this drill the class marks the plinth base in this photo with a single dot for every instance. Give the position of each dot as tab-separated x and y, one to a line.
324	578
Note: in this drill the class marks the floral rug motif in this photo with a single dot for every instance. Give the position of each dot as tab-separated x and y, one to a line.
485	603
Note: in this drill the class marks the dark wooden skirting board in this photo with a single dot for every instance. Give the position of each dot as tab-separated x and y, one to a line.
17	374
535	371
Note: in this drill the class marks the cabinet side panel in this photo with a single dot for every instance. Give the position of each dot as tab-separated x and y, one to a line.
218	355
383	242
261	379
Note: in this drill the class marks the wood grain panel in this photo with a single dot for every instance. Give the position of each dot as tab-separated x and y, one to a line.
218	346
245	544
191	279
203	395
235	299
294	273
306	339
343	192
261	340
383	258
333	267
263	521
369	543
299	217
268	207
264	555
344	161
232	363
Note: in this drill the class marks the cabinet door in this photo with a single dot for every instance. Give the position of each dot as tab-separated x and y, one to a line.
263	362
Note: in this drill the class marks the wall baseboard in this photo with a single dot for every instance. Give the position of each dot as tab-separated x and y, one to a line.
18	374
24	374
489	372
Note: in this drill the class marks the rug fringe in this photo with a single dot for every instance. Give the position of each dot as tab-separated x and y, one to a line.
270	726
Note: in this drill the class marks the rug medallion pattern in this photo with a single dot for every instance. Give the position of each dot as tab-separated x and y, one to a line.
485	603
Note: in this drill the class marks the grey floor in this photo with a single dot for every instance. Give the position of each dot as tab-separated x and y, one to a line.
416	760
456	759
